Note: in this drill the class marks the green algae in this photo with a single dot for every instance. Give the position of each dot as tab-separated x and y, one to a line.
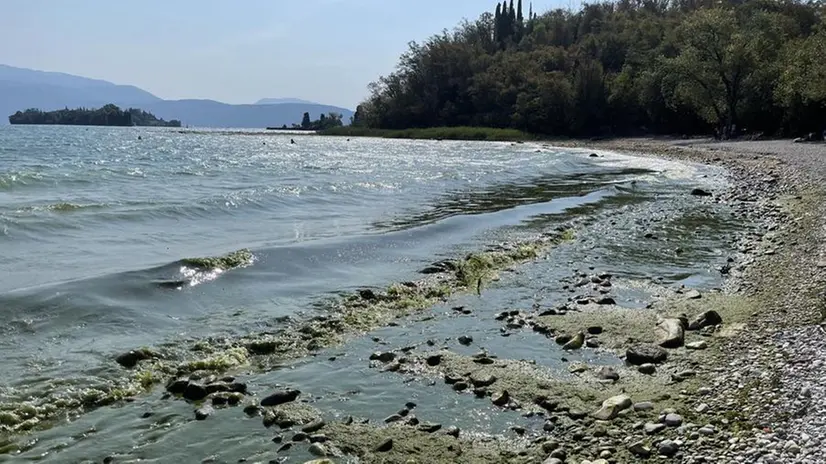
239	258
410	445
349	315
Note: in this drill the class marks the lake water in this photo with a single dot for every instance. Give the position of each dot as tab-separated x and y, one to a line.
95	221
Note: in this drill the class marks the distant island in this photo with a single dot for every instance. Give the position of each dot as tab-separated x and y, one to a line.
109	115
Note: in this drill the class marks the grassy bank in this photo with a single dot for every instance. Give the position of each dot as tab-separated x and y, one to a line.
434	133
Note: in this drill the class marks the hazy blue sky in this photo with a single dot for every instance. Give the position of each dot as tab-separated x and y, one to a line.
238	52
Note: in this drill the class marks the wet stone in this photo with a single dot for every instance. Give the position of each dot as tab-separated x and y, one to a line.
452	431
280	397
500	398
195	392
203	413
314	426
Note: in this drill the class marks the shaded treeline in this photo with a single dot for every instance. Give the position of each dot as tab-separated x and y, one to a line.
616	68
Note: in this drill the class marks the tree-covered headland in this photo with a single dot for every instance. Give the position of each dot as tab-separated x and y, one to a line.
616	68
109	115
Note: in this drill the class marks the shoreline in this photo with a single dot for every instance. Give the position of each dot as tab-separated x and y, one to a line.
722	389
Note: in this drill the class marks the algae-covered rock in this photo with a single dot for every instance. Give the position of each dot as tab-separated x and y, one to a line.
132	358
232	260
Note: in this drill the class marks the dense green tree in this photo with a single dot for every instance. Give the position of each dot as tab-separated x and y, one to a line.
629	66
305	121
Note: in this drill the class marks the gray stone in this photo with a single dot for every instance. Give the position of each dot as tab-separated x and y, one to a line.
612	407
705	319
651	428
482	380
314	426
670	333
607	373
708	430
501	398
668	448
640	449
673	420
317	449
647	369
700	345
644	406
645	354
693	295
465	340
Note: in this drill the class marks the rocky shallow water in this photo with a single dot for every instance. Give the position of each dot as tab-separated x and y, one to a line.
544	344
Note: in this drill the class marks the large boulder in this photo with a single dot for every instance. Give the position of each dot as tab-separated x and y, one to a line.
612	407
670	333
705	319
645	354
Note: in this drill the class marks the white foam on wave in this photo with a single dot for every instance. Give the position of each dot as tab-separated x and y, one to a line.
195	277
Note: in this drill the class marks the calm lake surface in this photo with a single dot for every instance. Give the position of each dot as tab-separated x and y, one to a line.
93	219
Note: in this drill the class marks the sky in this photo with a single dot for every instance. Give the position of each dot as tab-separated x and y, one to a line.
237	52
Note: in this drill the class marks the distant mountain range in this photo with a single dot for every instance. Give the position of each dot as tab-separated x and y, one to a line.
21	89
281	101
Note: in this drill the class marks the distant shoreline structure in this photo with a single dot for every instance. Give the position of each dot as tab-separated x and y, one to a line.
108	115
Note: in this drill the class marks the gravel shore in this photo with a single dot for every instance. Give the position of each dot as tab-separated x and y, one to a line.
775	374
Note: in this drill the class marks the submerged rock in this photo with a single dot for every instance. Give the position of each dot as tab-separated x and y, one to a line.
203	413
280	397
132	358
645	354
670	333
612	407
698	192
195	392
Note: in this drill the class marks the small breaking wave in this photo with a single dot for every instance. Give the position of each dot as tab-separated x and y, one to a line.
10	180
195	271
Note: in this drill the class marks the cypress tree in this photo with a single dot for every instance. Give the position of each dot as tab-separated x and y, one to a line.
519	18
497	24
512	20
530	11
506	26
